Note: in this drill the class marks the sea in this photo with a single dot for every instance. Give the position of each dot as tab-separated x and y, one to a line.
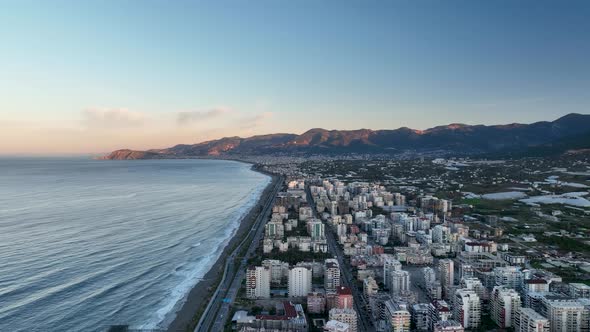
86	244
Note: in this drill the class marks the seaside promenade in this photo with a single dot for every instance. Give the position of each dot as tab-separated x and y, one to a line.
219	307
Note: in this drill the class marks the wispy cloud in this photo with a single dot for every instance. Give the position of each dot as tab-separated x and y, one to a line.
112	118
254	121
184	118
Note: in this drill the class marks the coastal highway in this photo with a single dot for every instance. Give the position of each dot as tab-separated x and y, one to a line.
364	321
219	307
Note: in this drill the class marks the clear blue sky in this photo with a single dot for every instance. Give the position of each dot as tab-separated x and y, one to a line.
75	67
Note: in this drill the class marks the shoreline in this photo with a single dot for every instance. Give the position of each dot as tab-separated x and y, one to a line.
185	317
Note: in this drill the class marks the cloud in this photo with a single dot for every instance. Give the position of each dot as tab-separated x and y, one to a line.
112	118
255	120
184	118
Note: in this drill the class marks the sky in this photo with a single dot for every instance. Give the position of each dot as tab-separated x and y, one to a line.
95	76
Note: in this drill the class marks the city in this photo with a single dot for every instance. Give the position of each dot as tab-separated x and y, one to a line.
370	244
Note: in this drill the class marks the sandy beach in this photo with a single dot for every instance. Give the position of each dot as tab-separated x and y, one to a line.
199	295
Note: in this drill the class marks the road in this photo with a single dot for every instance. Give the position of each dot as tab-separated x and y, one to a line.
219	307
347	278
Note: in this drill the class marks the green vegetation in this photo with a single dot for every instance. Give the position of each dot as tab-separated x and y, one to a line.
565	243
294	256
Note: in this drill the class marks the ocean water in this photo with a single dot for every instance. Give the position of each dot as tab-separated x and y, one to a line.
87	244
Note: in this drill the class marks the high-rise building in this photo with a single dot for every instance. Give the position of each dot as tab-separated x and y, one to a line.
341	230
565	314
475	285
300	279
467	308
400	283
370	287
344	298
278	270
316	303
348	316
397	317
421	316
466	271
305	213
504	302
509	276
274	230
316	230
439	311
390	264
528	320
440	234
331	275
258	282
446	268
429	275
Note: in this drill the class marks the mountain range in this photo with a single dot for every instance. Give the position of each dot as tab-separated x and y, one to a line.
453	138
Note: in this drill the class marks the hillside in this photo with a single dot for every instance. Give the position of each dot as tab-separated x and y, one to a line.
452	138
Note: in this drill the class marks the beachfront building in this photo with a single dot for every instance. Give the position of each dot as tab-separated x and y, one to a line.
300	278
258	282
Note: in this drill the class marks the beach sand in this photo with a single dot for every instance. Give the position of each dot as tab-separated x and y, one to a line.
198	297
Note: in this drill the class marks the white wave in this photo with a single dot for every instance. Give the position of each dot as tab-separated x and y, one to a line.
167	312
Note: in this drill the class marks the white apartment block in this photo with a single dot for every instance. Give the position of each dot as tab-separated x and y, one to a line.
565	315
400	283
331	275
397	317
528	320
446	268
258	282
347	316
510	276
278	270
504	302
300	279
467	308
390	264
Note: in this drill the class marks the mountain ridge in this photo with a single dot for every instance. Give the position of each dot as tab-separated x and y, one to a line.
454	137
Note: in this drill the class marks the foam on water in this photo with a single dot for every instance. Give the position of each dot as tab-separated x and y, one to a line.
178	295
87	244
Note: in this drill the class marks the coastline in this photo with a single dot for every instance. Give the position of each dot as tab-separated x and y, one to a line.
185	318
